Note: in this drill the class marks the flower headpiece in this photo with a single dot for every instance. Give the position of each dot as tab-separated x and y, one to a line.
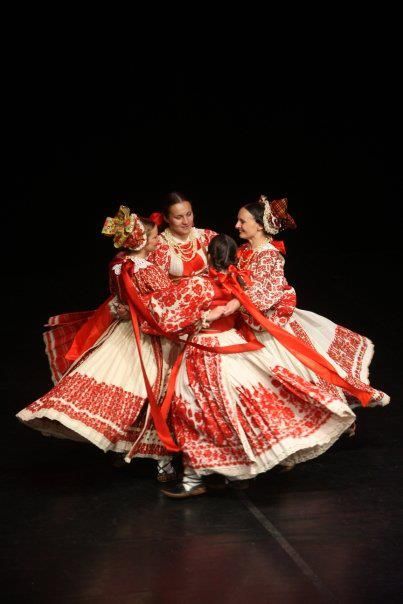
275	216
126	229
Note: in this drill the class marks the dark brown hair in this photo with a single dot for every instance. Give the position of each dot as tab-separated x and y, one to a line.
172	199
222	250
257	210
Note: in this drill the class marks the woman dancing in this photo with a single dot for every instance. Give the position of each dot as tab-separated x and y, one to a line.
102	397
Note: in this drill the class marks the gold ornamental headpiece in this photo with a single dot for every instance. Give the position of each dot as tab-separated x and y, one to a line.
126	229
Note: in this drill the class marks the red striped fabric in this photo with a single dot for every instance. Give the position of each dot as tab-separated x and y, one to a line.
59	338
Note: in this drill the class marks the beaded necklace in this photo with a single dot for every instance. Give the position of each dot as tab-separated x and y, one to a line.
185	251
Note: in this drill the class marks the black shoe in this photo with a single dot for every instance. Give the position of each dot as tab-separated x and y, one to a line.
178	491
167	477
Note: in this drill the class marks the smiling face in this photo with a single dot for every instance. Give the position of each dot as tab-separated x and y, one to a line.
247	226
180	218
152	240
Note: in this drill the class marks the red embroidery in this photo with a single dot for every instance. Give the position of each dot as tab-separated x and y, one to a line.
209	427
344	359
179	308
348	350
105	408
161	257
270	291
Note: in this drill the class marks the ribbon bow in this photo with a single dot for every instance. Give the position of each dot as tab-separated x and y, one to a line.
229	280
157	218
244	274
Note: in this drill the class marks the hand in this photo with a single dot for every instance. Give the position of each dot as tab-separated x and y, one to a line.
231	307
122	312
215	313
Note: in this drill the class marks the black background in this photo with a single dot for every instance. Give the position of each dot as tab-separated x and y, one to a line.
83	137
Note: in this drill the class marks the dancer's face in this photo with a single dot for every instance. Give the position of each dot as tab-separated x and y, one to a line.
152	240
247	225
180	218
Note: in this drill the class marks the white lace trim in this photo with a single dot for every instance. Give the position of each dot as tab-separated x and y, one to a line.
264	246
117	269
139	263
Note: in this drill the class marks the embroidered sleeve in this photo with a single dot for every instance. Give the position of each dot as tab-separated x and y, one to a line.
207	236
161	257
156	279
268	280
180	308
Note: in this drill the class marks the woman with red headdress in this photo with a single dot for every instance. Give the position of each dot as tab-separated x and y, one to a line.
348	353
235	410
101	393
182	248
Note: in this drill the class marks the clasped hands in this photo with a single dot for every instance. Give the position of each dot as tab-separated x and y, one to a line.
122	311
223	311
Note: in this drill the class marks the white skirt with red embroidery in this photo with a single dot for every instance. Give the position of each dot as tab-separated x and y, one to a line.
350	353
102	398
242	414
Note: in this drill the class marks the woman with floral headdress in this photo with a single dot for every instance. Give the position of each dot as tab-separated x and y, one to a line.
182	248
347	352
102	395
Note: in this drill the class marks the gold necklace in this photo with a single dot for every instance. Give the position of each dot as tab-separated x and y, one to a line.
185	251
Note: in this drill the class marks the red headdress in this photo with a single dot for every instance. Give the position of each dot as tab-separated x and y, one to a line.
275	217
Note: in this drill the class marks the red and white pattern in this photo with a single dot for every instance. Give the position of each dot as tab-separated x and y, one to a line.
241	414
102	398
165	258
58	339
270	292
348	352
179	308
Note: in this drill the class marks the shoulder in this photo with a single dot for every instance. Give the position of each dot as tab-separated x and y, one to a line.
205	235
243	250
162	242
269	256
115	265
161	251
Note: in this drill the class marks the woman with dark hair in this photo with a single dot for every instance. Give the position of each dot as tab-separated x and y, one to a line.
347	352
182	248
235	411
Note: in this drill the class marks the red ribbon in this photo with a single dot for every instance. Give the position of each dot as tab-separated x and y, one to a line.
230	279
131	294
304	353
91	331
136	306
279	245
157	218
159	421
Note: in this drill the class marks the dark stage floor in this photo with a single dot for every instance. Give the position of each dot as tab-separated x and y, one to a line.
77	529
